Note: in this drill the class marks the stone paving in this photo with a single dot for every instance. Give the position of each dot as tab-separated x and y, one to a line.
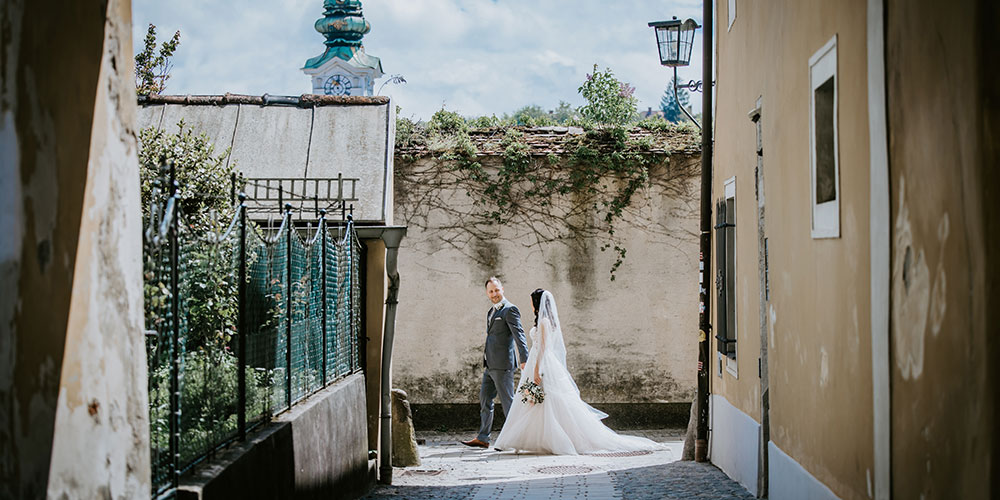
450	470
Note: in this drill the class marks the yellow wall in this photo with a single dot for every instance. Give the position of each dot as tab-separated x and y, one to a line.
819	336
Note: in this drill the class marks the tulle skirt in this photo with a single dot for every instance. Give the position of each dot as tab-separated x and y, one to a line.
562	424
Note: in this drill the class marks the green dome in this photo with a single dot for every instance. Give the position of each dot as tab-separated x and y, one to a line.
342	6
344	25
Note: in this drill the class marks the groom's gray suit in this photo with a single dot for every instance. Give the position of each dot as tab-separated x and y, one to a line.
503	332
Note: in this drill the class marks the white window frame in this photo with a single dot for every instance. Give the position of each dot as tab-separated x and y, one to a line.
825	216
732	14
732	366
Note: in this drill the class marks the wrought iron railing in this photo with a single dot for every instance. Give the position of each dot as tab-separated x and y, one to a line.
266	196
242	322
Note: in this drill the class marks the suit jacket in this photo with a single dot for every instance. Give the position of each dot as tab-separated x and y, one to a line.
503	332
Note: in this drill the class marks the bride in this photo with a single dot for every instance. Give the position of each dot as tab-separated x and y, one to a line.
561	424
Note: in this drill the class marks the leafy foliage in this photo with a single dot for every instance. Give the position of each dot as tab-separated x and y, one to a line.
152	69
210	284
658	124
209	393
610	102
588	194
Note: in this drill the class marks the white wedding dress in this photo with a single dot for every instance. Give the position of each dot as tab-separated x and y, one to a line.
562	424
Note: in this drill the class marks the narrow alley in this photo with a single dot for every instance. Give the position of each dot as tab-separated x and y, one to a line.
450	470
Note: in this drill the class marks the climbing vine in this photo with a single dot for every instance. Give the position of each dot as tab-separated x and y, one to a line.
586	191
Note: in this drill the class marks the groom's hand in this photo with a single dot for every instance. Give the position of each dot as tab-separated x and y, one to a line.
522	366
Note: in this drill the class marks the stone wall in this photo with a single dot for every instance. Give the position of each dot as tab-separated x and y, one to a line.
628	340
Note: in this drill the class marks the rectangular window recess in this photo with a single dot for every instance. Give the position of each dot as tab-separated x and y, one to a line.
824	156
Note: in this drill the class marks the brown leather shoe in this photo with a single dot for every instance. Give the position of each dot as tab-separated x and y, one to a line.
476	443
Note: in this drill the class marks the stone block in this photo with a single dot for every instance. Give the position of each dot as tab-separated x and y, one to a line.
404	444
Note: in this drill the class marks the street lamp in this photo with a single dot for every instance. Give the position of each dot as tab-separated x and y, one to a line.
674	40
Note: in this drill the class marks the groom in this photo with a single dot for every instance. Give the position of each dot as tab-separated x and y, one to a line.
503	331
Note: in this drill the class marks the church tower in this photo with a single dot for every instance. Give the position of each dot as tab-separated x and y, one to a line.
343	68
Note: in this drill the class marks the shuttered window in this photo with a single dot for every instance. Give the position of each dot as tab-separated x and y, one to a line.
725	282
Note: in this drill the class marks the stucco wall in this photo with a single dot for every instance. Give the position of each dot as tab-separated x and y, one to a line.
942	150
818	334
101	444
69	257
322	141
628	340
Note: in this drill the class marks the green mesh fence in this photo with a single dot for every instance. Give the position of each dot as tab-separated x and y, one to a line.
334	321
314	317
209	300
263	320
277	281
296	283
354	334
160	352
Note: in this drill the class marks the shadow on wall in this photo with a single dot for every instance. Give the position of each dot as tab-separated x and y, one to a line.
318	449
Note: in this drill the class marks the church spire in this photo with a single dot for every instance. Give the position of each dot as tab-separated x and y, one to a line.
343	68
344	25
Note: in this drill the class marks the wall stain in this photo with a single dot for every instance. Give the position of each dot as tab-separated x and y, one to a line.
44	253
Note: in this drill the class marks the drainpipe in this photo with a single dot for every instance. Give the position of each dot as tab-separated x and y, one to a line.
704	324
392	238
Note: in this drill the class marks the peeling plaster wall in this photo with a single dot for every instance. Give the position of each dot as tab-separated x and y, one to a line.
629	340
942	152
819	344
48	85
101	444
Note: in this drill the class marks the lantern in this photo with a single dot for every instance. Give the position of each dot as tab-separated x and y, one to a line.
674	40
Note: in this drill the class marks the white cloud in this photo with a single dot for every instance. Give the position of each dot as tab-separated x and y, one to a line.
476	56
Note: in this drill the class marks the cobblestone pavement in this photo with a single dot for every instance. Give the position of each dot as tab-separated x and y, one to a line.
450	470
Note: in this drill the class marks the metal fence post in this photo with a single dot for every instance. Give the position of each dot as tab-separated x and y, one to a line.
241	348
232	189
288	304
175	362
322	281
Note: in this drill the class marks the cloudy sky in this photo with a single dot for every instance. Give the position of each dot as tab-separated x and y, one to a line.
476	57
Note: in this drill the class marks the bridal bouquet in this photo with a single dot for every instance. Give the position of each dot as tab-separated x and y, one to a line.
531	392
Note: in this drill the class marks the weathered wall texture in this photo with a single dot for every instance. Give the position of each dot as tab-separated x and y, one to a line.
942	150
818	333
102	408
69	257
297	142
629	340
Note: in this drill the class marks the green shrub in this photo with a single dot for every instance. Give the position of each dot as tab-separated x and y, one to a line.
610	102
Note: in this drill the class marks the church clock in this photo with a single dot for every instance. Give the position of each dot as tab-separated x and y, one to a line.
337	85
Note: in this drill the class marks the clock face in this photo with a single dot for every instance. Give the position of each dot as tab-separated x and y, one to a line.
337	85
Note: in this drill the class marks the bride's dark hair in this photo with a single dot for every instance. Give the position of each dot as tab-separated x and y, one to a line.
536	300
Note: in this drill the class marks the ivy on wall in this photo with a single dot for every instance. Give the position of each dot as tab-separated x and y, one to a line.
588	191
